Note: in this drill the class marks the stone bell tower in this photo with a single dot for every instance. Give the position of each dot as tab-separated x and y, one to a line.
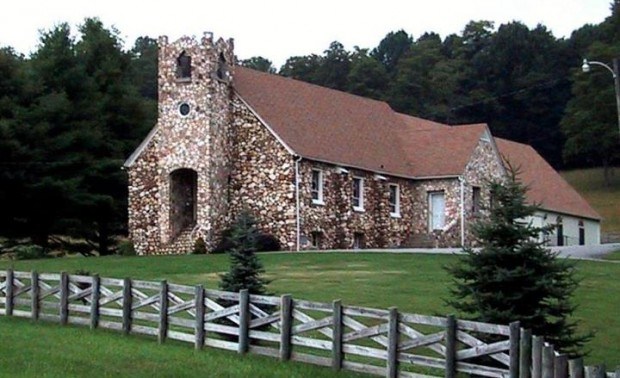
195	107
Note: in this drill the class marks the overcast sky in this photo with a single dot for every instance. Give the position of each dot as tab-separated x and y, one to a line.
279	29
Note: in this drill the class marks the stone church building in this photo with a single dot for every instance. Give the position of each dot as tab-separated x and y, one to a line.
319	168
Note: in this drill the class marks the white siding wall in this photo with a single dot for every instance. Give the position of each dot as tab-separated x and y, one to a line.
570	225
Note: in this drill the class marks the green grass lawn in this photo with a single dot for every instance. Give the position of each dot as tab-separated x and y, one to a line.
49	350
604	199
614	256
413	283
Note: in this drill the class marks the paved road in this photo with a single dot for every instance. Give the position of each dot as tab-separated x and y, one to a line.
575	252
587	252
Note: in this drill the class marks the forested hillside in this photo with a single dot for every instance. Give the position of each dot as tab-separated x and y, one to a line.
72	111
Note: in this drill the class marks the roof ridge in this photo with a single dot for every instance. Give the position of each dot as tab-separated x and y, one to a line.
561	197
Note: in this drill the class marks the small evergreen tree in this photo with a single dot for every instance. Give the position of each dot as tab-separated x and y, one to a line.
245	267
200	247
514	276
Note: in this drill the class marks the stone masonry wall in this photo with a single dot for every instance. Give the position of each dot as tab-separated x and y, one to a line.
220	144
337	221
262	177
144	199
484	166
450	235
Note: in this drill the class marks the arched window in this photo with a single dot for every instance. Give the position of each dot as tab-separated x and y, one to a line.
184	66
222	68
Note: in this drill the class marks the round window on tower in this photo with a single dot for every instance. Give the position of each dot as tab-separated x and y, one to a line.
184	109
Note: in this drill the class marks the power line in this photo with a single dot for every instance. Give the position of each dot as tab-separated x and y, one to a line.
544	85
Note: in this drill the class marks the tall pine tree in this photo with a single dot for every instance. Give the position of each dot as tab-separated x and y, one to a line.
514	276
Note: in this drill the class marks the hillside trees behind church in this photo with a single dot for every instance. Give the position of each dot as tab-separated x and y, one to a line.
76	118
514	78
590	122
259	63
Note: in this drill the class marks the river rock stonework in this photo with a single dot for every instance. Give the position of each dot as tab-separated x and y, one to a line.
262	180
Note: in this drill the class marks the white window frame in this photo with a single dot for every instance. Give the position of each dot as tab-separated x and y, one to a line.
396	203
360	199
319	191
431	225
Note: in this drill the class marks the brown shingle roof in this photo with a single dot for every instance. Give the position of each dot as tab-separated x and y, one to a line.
332	126
437	149
546	186
421	123
324	124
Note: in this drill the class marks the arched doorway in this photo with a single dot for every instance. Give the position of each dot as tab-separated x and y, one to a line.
183	188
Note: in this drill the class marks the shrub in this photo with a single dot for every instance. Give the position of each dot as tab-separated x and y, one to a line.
126	248
264	242
267	243
29	252
200	247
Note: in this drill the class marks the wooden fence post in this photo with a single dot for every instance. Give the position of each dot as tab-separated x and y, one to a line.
162	333
127	306
286	326
337	355
451	329
392	349
94	301
515	333
595	372
64	298
200	317
537	347
9	292
575	368
244	321
561	366
525	354
34	292
548	360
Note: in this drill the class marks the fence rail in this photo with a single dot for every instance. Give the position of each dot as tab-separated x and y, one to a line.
377	341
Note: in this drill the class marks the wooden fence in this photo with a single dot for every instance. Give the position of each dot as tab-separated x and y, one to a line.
381	342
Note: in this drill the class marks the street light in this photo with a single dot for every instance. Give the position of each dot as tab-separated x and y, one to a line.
585	67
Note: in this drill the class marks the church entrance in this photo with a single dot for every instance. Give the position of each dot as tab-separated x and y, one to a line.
183	188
